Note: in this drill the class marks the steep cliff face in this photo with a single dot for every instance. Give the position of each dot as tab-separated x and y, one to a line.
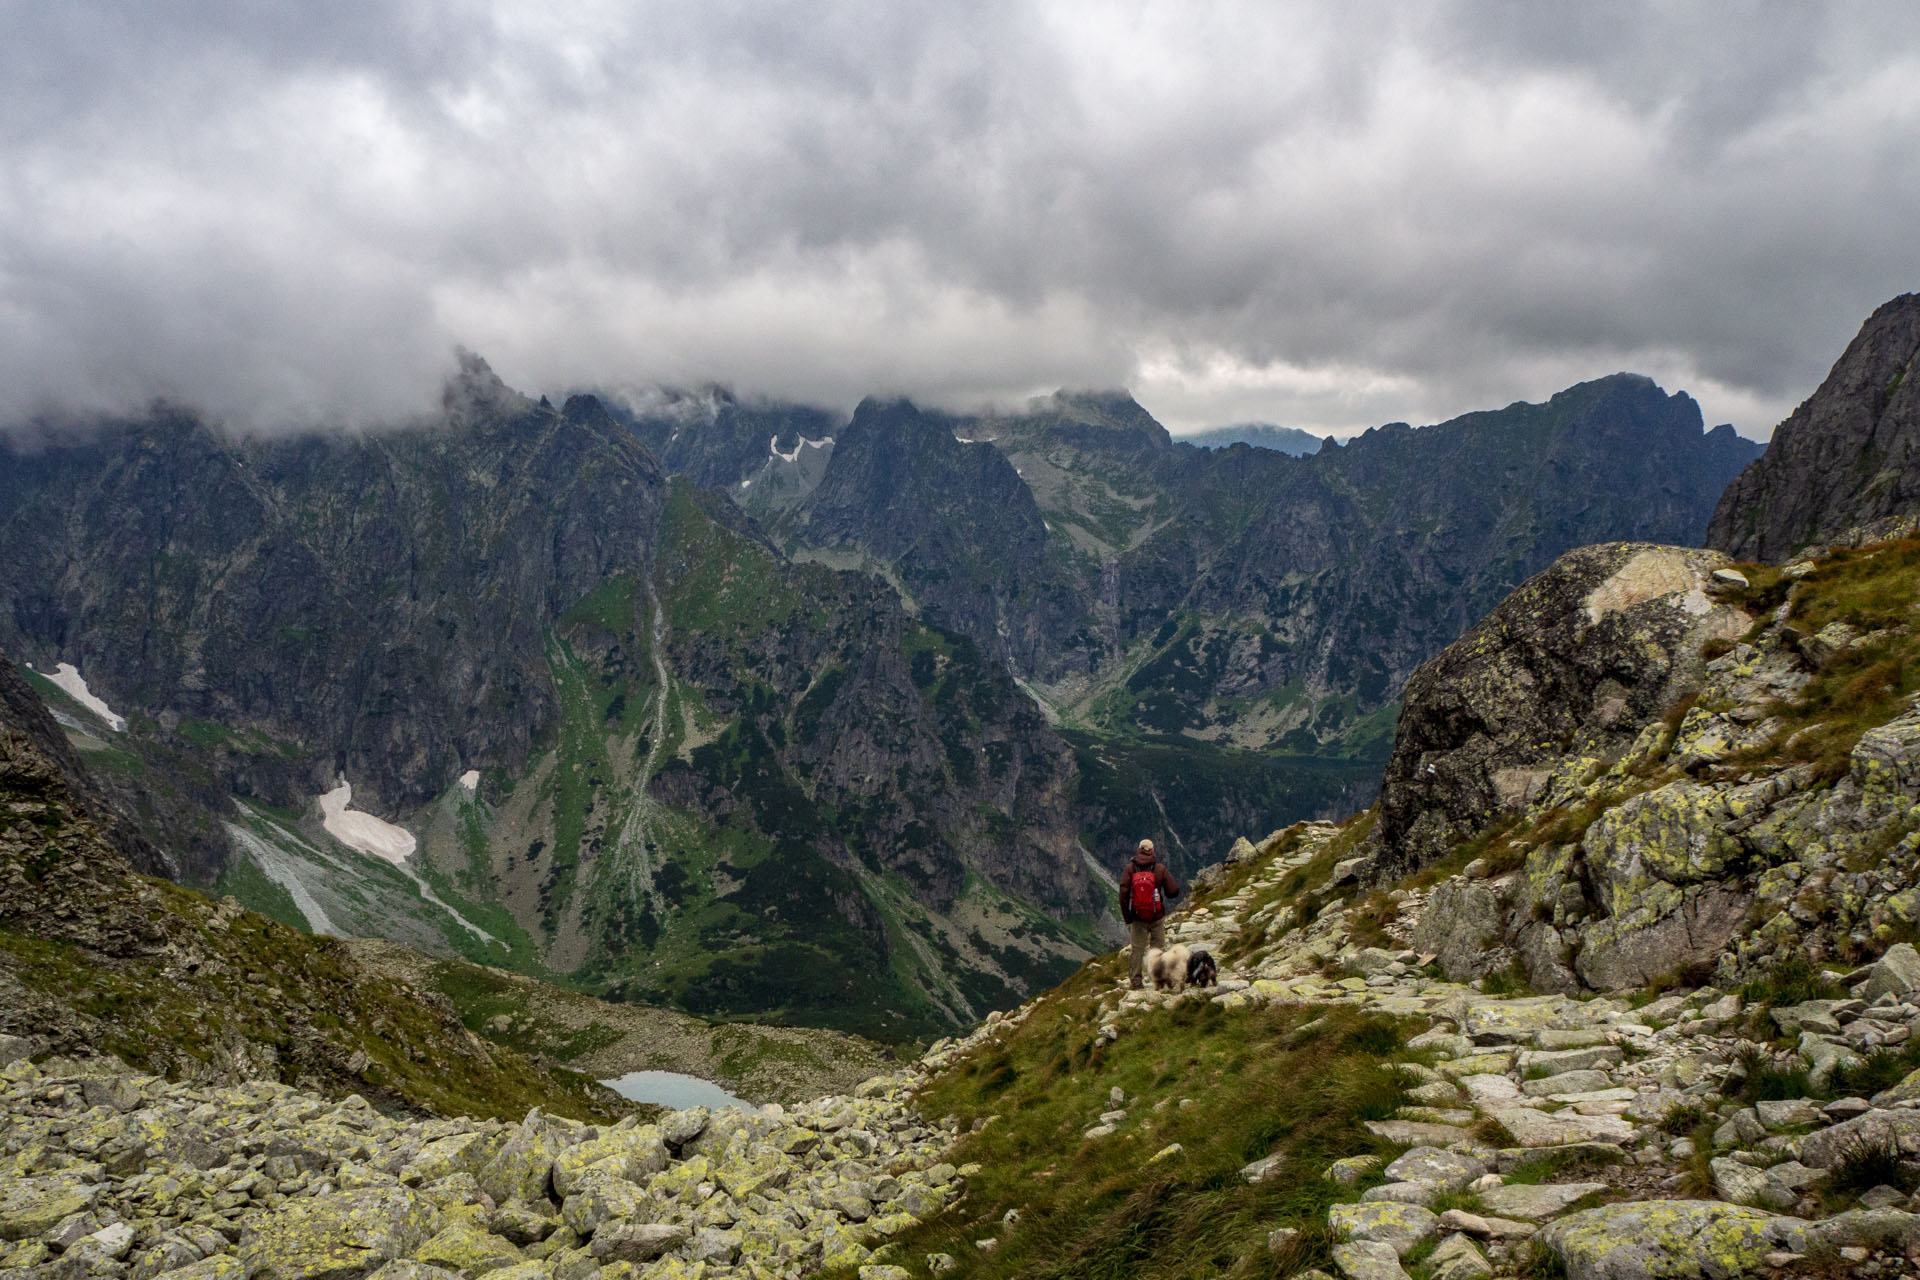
951	521
371	607
628	740
1849	456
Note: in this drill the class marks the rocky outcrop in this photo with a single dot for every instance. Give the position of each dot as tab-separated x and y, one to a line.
113	1174
1730	805
1576	663
1849	456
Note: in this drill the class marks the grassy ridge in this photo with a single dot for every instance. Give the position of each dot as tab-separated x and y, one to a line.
1229	1086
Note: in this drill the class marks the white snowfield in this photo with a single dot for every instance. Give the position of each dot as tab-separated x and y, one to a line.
67	677
363	831
773	447
470	780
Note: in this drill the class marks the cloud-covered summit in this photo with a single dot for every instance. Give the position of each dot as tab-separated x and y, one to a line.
1324	216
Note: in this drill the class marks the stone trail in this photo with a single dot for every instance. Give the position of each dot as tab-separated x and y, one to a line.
1583	1088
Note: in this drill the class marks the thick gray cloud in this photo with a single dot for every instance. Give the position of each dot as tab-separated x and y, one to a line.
1321	215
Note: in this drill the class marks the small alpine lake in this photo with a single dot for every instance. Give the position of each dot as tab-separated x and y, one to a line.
674	1090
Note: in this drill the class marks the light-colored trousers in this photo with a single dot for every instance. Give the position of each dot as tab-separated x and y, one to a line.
1146	933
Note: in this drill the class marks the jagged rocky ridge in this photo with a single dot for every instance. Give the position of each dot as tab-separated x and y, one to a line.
1713	777
1848	457
1151	585
622	728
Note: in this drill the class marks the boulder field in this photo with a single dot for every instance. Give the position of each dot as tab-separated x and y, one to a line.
112	1174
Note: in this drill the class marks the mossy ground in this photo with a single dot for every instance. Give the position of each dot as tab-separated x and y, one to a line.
1278	1079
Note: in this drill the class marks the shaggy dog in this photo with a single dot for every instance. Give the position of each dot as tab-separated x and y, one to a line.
1201	969
1168	968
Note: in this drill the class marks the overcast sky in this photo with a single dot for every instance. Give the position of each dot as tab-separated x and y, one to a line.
1326	216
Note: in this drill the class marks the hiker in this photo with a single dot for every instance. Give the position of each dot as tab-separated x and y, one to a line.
1146	887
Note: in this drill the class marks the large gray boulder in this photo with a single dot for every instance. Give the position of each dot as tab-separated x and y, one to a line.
1460	927
344	1236
1666	1240
32	1206
1874	1131
523	1169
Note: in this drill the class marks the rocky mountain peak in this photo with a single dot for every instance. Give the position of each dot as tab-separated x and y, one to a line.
1849	456
475	393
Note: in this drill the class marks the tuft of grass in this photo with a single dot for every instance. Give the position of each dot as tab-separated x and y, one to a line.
1872	590
1771	1081
1862	1167
1510	981
1540	1263
1550	1165
1367	923
1879	1070
1791	981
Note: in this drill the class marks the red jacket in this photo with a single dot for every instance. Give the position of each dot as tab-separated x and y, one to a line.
1169	887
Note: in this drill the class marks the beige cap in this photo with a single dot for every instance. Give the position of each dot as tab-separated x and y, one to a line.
1145	846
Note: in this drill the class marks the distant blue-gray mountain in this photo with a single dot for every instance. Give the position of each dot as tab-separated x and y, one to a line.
1261	435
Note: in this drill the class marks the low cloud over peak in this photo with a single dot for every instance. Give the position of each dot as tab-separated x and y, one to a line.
1320	216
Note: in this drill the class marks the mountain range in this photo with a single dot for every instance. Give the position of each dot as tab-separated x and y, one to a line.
756	711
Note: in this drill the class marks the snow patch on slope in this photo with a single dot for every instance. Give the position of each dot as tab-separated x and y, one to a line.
773	447
284	871
470	780
362	831
67	678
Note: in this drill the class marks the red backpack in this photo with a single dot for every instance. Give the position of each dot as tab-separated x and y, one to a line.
1143	893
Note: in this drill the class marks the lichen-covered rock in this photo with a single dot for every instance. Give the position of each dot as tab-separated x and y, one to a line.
32	1205
1368	1260
1460	925
1400	1225
1664	1240
467	1249
682	1127
1458	1258
523	1168
343	1236
637	1241
600	1198
632	1154
1447	1170
455	1153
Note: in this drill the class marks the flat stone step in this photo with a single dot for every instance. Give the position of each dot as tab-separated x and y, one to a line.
1533	1203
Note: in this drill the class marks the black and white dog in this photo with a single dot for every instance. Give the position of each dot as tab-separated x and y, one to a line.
1201	969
